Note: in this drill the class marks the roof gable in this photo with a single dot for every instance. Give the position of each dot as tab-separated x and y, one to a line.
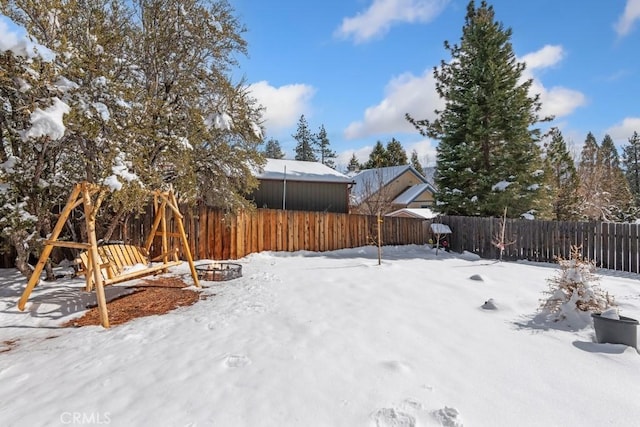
367	179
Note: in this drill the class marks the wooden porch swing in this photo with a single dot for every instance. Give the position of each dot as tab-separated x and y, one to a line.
105	265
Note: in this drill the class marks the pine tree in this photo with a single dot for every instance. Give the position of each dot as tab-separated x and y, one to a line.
396	156
354	165
272	149
488	156
415	162
326	154
631	162
377	157
563	178
590	177
30	173
199	129
619	200
148	85
305	149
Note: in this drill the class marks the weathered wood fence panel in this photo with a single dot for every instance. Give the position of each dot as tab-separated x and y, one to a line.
212	235
611	245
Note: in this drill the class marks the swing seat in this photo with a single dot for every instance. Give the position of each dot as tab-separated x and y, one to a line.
120	262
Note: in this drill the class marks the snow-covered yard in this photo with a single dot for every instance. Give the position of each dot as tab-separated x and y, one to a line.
323	339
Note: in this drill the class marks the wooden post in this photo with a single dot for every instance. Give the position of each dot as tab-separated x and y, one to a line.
165	242
379	220
156	223
90	216
46	251
185	243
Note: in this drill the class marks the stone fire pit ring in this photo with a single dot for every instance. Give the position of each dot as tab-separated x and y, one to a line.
219	271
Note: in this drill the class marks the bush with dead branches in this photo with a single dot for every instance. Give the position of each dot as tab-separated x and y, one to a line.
573	292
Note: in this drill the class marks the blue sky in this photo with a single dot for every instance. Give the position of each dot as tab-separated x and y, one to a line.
357	66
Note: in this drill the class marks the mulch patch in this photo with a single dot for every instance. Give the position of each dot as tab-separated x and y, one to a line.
150	296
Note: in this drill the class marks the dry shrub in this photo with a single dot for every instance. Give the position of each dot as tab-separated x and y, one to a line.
574	292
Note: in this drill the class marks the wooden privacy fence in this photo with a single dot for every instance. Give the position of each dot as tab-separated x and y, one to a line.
611	245
212	235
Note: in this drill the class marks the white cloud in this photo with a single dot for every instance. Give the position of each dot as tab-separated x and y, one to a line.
556	101
378	18
548	56
362	154
624	130
418	97
426	150
404	94
283	105
630	15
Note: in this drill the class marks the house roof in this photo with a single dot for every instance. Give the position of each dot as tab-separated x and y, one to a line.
296	170
379	177
423	213
412	193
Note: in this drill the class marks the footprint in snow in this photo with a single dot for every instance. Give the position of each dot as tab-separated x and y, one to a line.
236	361
390	417
448	417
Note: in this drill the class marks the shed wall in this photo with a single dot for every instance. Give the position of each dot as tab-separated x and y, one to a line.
303	196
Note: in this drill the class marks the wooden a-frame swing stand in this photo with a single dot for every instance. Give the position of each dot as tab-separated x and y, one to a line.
91	197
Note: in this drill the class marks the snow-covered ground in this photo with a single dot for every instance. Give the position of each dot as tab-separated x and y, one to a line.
323	339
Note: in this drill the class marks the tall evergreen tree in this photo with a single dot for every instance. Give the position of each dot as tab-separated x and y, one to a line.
487	157
354	165
273	150
377	157
305	149
590	177
415	162
198	128
396	156
148	88
31	178
631	162
562	179
618	197
326	154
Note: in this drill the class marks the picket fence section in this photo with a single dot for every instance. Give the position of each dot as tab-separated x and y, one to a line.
611	245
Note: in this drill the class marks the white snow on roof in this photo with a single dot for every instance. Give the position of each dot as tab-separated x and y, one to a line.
295	170
412	193
425	213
